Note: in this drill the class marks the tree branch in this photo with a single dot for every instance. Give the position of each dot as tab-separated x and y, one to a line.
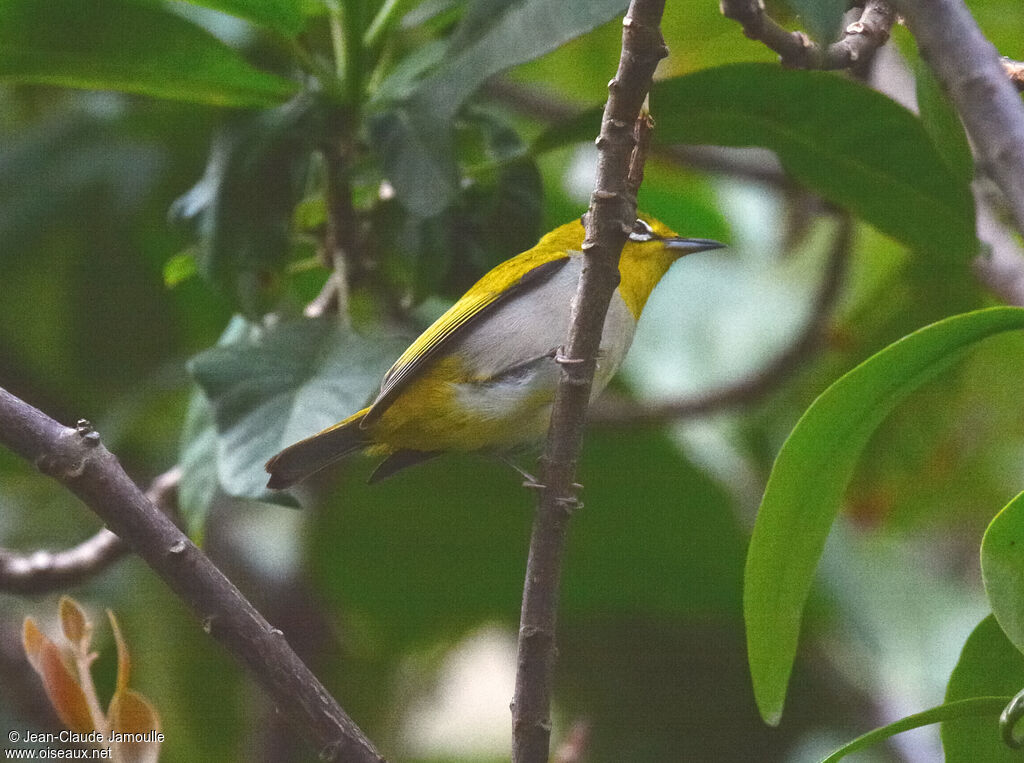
77	459
609	221
623	413
341	239
859	42
969	68
40	572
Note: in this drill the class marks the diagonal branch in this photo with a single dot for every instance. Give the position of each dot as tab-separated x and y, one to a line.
77	459
969	69
39	572
609	221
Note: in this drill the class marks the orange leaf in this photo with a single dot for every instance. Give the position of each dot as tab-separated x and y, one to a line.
33	639
135	728
76	626
65	694
124	660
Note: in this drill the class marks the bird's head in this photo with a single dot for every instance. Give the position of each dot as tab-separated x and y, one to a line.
649	251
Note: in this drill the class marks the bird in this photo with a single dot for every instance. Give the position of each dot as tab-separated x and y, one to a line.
482	377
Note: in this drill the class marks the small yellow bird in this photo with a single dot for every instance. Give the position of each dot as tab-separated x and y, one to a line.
483	376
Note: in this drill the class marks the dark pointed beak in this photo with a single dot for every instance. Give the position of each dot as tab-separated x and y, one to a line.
692	245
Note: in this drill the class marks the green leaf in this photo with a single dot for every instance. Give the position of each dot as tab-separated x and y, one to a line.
498	34
419	158
135	48
942	123
198	459
244	203
179	268
283	16
821	17
975	707
842	140
276	386
415	136
1002	567
989	666
806	486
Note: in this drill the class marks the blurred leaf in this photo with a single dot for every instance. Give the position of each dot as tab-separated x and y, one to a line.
65	694
1002	567
124	660
989	666
415	135
821	17
74	624
180	268
132	715
498	34
279	385
59	166
132	47
810	474
243	204
198	459
975	707
32	641
440	548
419	158
850	144
283	16
942	123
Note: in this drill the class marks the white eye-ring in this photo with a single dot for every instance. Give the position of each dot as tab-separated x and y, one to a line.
641	232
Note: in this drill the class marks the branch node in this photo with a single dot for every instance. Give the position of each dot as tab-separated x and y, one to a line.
178	547
566	360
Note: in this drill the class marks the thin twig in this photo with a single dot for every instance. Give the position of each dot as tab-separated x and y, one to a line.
609	221
39	572
77	459
859	42
969	69
622	413
341	238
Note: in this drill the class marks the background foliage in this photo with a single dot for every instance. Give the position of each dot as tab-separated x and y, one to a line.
182	340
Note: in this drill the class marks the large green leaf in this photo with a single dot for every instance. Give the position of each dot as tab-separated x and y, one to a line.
806	485
132	47
975	707
841	139
276	386
1002	567
280	15
989	666
243	205
416	136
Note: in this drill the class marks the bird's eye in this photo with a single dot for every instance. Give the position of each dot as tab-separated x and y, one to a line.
641	232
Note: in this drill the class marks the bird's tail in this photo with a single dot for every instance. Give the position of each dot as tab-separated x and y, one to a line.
298	461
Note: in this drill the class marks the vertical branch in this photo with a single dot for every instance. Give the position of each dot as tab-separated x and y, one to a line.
970	70
609	222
